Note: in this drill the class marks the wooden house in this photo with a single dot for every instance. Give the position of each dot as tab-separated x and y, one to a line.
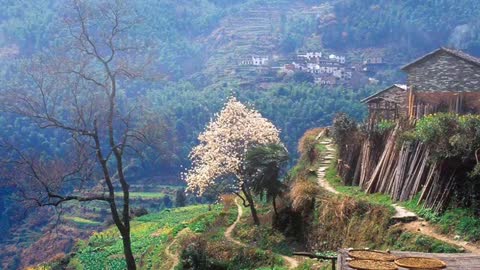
388	104
444	80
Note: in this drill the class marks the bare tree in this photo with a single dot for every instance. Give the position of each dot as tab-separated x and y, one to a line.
79	87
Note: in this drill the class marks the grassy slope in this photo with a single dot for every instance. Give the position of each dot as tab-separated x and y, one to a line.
396	239
392	238
150	235
460	221
355	191
267	239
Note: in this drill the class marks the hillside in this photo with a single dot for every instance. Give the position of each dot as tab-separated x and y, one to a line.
176	238
222	236
203	52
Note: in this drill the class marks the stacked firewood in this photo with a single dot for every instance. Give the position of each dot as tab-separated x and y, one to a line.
401	170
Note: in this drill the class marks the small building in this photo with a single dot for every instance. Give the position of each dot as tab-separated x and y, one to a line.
337	58
445	80
255	61
311	55
388	104
373	60
260	60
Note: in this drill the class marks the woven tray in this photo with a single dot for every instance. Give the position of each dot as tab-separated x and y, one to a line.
420	263
372	265
362	254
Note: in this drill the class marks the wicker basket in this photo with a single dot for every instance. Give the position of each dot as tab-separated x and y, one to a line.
372	265
420	263
362	254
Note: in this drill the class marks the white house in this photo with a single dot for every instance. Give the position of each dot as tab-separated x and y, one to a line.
260	60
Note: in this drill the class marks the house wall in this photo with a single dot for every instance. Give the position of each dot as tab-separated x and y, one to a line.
444	72
394	95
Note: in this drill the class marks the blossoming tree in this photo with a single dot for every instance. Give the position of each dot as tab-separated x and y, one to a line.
222	150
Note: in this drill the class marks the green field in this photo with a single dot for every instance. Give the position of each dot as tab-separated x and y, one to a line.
81	221
150	235
147	195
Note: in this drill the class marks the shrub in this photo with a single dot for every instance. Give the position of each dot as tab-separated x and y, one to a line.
264	237
303	193
306	145
343	128
138	212
407	241
385	125
194	255
198	252
228	200
448	135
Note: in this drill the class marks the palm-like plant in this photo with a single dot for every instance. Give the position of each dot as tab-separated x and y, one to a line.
264	165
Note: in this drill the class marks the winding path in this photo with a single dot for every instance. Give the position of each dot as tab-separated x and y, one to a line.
228	232
428	230
401	214
409	220
325	161
228	235
173	256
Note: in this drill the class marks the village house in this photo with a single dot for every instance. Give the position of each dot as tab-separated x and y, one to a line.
336	58
388	104
374	60
255	61
445	80
310	56
327	69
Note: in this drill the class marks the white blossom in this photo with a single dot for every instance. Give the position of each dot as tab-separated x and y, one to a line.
224	144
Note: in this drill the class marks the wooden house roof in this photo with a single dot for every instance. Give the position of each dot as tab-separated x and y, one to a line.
457	53
376	95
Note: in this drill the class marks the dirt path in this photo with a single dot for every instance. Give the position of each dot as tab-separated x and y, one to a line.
409	220
427	229
228	232
228	235
401	214
325	162
173	256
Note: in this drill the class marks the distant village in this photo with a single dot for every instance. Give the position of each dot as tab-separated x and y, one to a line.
326	68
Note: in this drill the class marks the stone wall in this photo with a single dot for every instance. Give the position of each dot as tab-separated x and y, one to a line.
444	72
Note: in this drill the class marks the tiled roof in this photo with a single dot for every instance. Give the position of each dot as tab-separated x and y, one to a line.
367	99
462	55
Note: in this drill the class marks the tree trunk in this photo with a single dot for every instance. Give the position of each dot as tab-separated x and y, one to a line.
251	204
274	204
252	209
127	250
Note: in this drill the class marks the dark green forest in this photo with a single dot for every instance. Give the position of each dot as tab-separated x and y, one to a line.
184	98
407	26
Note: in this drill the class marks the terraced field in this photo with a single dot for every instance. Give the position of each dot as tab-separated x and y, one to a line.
151	234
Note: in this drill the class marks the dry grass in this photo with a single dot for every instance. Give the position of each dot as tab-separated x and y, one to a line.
306	145
347	222
302	194
228	200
